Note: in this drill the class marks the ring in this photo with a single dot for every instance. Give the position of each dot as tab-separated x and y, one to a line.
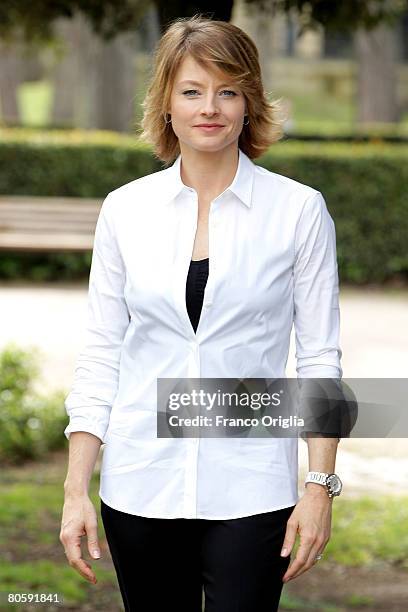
318	557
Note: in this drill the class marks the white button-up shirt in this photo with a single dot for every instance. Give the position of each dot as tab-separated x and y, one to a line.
272	264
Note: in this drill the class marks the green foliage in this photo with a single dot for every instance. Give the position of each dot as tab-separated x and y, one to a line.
368	531
364	188
109	17
30	425
34	20
42	267
363	185
69	162
337	15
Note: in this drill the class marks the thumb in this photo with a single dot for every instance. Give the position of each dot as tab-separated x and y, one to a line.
93	545
289	540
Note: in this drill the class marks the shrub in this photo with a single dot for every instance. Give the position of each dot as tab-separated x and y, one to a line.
31	425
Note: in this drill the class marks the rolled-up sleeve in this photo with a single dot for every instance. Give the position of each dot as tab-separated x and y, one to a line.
96	373
316	293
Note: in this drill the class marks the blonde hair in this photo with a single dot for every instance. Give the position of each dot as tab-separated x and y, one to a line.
213	44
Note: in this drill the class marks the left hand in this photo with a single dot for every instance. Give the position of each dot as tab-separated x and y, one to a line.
312	518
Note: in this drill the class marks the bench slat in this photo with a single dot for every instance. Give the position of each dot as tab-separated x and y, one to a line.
49	200
19	211
69	225
48	223
46	242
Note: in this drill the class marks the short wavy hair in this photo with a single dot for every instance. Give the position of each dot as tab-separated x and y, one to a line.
213	44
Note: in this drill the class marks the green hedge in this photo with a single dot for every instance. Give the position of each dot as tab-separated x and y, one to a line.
364	185
365	188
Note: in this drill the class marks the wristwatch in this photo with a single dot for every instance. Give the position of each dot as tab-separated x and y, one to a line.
332	482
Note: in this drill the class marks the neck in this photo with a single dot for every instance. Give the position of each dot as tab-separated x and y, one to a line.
209	172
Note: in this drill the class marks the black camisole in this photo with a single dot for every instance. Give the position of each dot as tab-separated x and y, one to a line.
195	286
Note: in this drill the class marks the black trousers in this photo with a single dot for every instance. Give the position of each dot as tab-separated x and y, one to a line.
164	564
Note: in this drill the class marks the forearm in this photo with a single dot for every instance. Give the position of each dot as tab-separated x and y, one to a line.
83	453
322	458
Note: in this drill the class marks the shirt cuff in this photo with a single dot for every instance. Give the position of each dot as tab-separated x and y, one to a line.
83	423
319	371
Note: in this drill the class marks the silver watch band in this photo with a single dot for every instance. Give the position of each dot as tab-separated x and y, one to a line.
318	477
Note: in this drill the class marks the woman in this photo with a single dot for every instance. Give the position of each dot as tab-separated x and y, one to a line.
200	271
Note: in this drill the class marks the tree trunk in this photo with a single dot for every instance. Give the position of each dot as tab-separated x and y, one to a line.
94	82
10	79
376	55
115	85
65	73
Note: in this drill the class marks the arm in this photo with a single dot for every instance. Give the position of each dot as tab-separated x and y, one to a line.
316	309
316	293
96	375
322	458
95	386
318	354
83	453
79	515
317	315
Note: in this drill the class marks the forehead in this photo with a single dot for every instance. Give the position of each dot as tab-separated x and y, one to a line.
192	71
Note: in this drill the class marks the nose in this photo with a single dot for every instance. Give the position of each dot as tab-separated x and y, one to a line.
209	106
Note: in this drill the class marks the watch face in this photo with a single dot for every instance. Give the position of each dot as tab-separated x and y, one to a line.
335	484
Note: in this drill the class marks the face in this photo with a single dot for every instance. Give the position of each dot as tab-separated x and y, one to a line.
200	97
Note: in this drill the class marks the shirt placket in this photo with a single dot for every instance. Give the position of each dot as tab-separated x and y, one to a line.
187	227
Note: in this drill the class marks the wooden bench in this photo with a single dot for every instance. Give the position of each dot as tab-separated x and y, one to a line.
47	224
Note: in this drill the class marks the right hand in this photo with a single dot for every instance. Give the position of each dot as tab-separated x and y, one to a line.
78	519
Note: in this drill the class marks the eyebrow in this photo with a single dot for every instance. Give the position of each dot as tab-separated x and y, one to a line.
199	84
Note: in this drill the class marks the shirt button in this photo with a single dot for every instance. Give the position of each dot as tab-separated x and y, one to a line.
207	304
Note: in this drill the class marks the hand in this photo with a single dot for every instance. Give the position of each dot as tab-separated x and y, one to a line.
312	518
78	519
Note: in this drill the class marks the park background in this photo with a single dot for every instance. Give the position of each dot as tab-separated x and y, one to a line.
72	78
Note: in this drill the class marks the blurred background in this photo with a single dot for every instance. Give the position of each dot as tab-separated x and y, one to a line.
73	74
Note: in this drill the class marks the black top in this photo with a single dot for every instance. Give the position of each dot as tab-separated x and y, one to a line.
195	286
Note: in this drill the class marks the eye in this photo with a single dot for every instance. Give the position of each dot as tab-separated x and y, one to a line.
228	91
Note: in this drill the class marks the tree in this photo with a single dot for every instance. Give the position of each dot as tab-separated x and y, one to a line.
95	79
108	17
376	91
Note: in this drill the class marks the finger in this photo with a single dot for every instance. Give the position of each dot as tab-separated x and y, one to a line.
74	556
290	537
84	569
300	559
311	560
93	545
316	550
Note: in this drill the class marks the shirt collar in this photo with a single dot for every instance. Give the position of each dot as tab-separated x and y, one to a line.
241	185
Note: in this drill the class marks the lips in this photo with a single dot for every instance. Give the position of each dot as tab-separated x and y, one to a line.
209	125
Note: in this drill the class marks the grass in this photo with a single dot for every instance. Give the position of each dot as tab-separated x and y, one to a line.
291	602
33	560
35	100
